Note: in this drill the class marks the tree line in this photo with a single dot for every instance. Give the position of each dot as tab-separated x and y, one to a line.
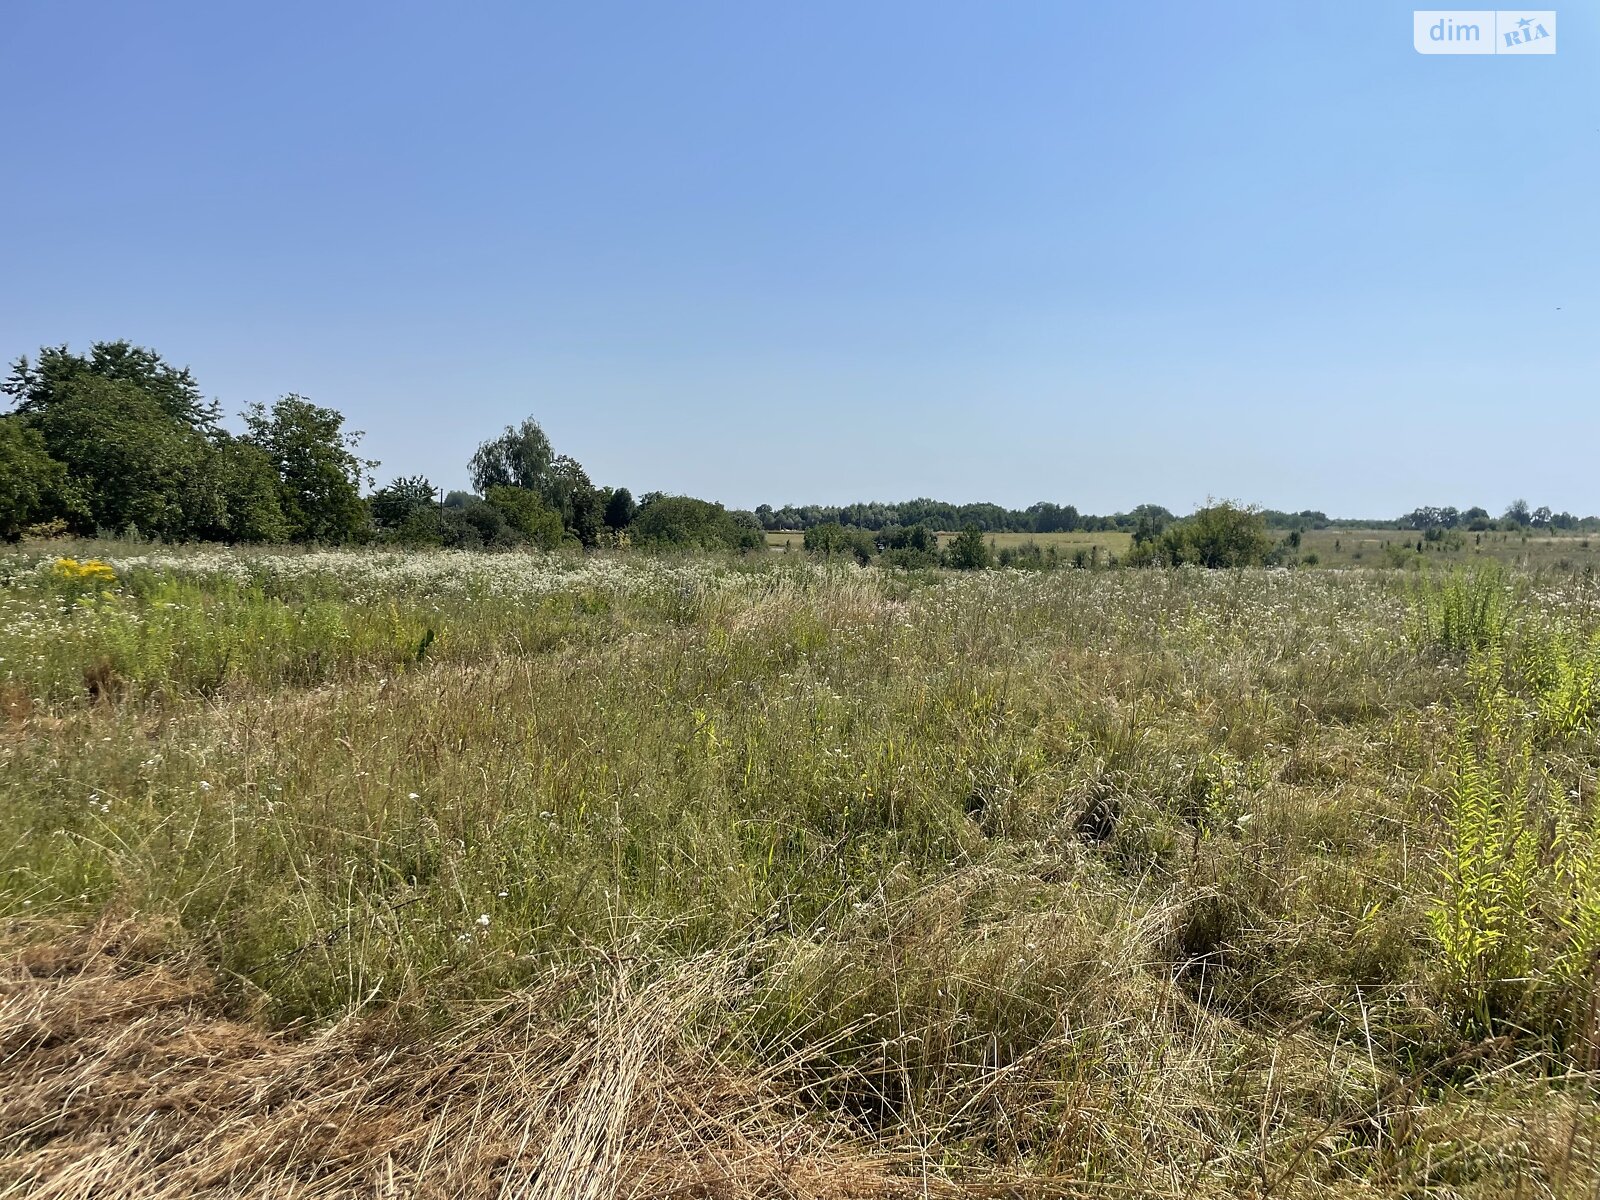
1042	517
1518	515
120	442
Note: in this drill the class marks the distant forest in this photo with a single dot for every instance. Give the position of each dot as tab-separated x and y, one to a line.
118	442
1045	517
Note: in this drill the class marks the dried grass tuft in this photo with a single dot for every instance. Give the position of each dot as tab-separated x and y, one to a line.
125	1077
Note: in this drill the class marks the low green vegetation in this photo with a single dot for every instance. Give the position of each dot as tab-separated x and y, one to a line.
684	522
1219	535
1525	549
1112	882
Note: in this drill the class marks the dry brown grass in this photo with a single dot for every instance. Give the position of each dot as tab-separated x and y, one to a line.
124	1076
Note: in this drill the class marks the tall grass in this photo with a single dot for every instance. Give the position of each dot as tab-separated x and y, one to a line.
1464	611
1171	882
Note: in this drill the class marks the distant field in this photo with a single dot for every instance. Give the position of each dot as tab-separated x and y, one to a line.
1381	547
1333	547
1065	543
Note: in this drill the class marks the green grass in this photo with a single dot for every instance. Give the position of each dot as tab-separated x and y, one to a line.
1332	934
1532	550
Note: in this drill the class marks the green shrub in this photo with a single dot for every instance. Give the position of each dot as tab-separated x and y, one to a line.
482	525
530	516
1030	556
830	539
968	552
1219	535
687	523
909	537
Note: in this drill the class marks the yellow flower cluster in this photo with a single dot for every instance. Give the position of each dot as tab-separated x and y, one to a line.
90	573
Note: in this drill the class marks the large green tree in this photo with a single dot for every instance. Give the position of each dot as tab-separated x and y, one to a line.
130	465
523	458
396	503
31	482
407	511
519	457
140	448
139	444
39	383
248	487
569	491
620	508
319	472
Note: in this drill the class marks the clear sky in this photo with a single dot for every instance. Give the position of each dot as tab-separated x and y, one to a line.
835	251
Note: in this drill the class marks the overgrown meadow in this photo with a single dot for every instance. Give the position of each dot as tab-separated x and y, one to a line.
1072	883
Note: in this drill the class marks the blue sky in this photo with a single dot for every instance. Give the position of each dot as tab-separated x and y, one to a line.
832	251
